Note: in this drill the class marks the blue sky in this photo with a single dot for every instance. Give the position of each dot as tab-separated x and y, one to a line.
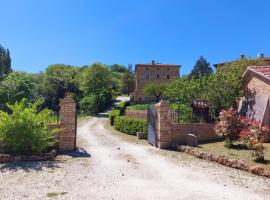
79	32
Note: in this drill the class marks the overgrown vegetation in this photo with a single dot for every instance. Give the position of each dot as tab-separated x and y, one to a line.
93	87
25	130
220	89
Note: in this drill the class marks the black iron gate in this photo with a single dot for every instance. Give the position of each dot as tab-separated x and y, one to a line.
151	125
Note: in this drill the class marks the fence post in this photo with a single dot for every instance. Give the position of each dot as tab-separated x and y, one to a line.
67	135
163	125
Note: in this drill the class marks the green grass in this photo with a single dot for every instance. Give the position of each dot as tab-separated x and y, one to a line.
138	106
55	194
218	148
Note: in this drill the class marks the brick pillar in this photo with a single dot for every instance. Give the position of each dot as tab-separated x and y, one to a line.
163	127
67	135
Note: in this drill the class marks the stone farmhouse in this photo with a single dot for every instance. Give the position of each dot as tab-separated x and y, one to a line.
256	102
152	73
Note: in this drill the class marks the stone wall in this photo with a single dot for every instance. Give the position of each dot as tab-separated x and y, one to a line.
170	134
141	114
258	85
204	132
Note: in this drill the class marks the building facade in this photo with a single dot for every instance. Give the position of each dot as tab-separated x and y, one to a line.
255	104
152	73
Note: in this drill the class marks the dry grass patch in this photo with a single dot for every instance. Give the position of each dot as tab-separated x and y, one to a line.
218	148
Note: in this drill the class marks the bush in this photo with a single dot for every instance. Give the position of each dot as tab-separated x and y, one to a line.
229	126
88	105
25	130
130	125
117	111
253	136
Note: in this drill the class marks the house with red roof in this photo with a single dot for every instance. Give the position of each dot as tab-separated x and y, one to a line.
255	104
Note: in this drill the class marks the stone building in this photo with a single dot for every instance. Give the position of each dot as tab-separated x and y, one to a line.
152	73
255	104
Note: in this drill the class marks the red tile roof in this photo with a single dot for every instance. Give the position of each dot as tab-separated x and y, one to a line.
262	70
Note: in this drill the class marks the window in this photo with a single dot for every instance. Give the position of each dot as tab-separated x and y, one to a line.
168	76
157	69
157	75
147	76
168	69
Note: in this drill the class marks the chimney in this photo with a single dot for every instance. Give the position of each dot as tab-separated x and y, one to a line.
243	56
153	62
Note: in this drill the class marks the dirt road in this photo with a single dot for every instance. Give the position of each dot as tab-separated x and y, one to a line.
113	165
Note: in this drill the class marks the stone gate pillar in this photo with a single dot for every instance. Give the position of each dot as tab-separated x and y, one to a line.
67	135
163	126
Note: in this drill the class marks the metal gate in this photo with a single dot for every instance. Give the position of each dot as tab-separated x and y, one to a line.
151	125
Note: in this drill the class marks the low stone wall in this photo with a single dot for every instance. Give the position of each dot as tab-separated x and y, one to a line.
204	132
223	160
141	114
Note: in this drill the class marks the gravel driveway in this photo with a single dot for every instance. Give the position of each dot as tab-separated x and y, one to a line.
112	165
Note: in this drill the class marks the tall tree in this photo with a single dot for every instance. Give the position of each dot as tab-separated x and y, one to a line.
58	80
201	68
128	81
5	62
97	82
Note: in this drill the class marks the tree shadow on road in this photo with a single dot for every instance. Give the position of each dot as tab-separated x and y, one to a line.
28	166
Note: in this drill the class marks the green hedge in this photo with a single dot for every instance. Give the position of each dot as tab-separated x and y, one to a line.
117	111
130	125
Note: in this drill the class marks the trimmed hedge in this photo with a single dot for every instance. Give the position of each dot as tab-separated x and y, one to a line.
130	125
117	111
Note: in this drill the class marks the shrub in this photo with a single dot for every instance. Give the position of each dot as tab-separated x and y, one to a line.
88	105
117	111
253	135
25	130
130	125
229	126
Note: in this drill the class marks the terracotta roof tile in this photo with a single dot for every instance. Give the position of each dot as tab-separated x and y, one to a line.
263	70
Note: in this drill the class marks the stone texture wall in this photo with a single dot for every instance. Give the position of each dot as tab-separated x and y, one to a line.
258	86
204	132
152	73
67	136
141	114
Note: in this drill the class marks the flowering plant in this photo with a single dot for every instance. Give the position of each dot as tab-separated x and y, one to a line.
229	126
253	135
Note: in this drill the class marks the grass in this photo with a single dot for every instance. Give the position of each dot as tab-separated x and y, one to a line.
137	106
55	194
218	148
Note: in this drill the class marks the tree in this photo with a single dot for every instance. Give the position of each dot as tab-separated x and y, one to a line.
16	86
185	89
128	81
98	82
5	62
58	80
118	68
201	68
154	89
